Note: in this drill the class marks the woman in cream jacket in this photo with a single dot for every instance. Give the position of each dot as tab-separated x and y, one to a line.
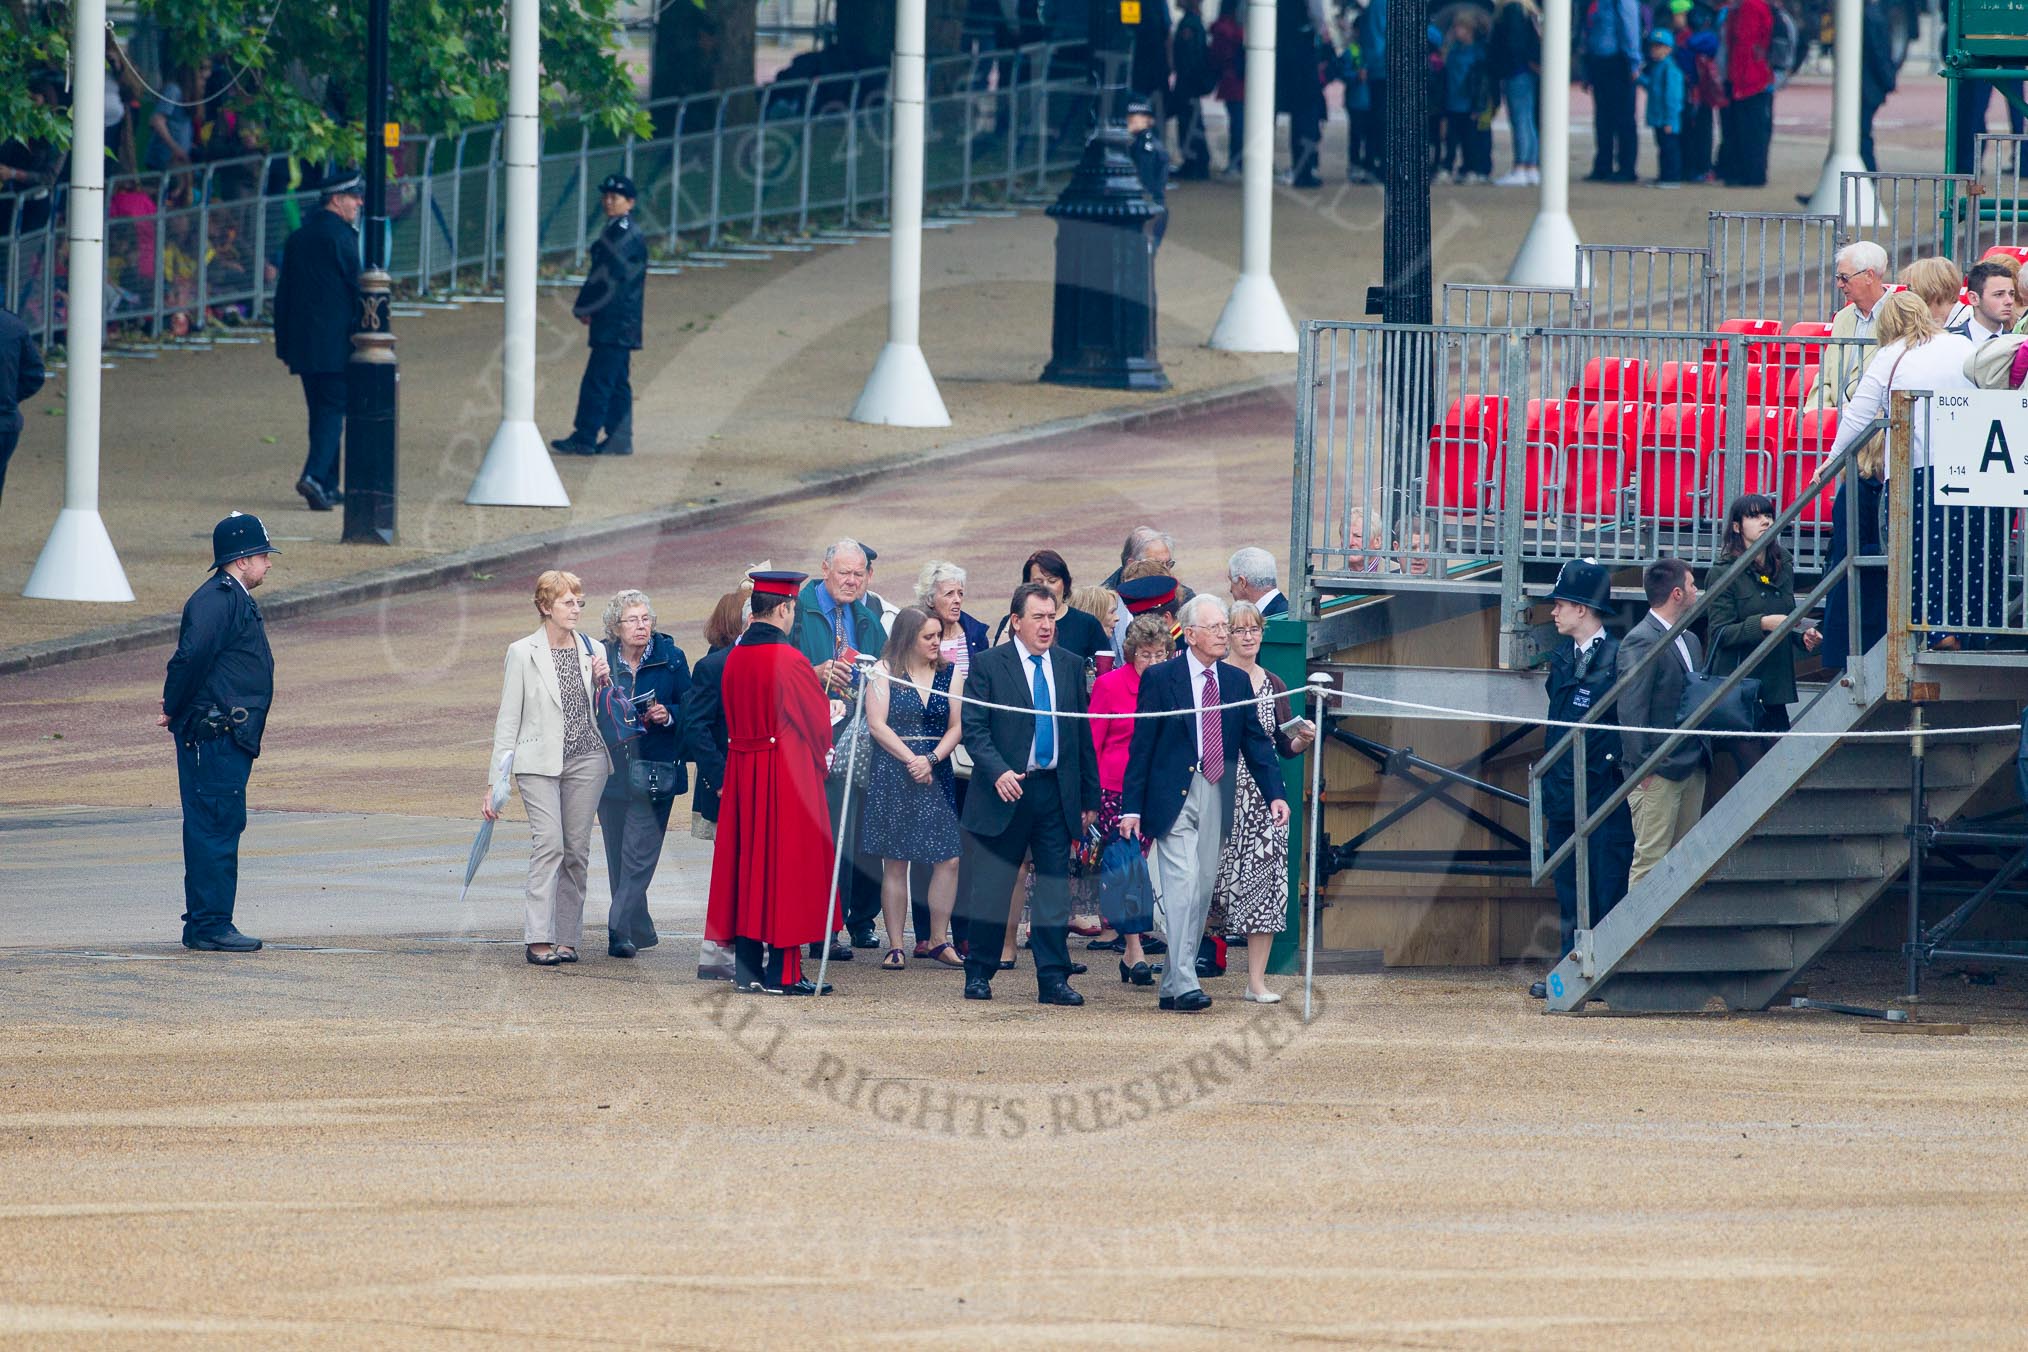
560	762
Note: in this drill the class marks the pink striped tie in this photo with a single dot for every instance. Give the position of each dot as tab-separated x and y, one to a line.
1213	761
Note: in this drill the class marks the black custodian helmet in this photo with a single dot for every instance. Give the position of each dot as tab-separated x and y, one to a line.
239	536
1586	582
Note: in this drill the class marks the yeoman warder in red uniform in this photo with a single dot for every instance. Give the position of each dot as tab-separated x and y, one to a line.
771	867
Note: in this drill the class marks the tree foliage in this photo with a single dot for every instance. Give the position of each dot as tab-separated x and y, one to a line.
298	66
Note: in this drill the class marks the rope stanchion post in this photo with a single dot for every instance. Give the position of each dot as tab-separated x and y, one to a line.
1320	690
842	849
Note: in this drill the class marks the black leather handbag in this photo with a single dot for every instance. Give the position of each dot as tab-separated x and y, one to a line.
653	780
1739	711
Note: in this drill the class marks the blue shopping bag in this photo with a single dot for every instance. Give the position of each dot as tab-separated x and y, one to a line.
1126	892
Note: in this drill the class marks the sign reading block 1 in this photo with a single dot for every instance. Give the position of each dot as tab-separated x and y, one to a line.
1978	449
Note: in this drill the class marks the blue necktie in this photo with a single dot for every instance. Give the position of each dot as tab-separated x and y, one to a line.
1045	726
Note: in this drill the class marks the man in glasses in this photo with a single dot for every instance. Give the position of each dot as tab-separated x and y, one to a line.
1862	280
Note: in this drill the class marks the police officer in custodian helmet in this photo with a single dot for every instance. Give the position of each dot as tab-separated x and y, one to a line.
215	703
1582	668
609	305
316	309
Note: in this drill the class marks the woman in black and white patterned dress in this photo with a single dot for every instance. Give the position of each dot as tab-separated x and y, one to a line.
1253	865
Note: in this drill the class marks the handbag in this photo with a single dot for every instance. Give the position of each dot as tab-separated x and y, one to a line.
1739	711
853	752
653	780
1126	892
612	709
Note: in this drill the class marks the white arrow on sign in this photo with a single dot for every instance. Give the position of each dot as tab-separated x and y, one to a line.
1978	449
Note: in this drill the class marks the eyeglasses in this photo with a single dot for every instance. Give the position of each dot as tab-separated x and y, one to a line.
1239	630
1845	277
635	619
1214	629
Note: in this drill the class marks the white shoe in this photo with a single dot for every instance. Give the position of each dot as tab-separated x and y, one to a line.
1269	999
1534	177
1514	178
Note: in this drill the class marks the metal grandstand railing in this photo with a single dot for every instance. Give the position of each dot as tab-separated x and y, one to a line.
1424	449
1773	265
1482	305
1999	213
1913	215
189	251
1645	286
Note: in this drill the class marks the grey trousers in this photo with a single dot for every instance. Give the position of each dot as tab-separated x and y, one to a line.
1185	870
633	829
561	810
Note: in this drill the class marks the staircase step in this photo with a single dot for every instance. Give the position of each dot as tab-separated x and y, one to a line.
1687	993
1837	812
1746	904
1884	765
1769	861
1672	951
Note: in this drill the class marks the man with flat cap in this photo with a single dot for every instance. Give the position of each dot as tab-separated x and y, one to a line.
316	305
609	306
215	701
1582	668
771	861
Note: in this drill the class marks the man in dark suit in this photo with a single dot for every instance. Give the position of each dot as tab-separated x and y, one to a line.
1668	802
1251	577
1034	791
1181	775
316	300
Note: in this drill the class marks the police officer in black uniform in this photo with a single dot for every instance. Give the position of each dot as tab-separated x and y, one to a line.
1582	669
609	304
1151	161
21	375
316	309
215	702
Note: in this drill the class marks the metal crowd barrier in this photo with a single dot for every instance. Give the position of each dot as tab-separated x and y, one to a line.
1999	214
1424	449
1644	286
1773	265
1915	215
1497	306
729	166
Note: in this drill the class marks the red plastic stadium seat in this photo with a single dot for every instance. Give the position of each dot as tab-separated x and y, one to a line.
1670	465
2017	252
1687	382
1801	381
1815	431
1750	328
1599	464
1777	385
1769	432
1464	452
1551	425
1609	378
1810	328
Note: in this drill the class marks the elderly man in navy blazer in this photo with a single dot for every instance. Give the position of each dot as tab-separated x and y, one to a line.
1181	772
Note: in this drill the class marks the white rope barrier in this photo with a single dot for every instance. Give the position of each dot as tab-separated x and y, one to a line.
1448	714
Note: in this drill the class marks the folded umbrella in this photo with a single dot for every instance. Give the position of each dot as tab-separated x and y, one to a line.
503	789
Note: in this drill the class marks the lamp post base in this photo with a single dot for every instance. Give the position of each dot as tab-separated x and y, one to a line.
901	392
1254	318
1828	199
78	562
1548	254
517	471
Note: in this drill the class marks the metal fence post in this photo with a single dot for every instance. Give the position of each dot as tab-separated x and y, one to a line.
1513	492
717	167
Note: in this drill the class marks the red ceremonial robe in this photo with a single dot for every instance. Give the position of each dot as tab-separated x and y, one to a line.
771	866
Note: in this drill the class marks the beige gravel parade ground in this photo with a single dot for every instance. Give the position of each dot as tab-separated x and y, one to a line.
388	1131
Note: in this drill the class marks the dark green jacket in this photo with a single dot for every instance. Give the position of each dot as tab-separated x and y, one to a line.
1733	626
813	636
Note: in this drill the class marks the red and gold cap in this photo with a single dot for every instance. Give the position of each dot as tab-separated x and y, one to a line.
776	582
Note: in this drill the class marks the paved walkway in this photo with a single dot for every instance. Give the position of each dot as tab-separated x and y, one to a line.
744	388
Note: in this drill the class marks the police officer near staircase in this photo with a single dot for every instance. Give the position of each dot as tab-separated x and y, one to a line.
609	305
1582	668
215	703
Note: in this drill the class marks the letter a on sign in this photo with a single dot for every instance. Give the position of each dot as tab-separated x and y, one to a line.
1996	449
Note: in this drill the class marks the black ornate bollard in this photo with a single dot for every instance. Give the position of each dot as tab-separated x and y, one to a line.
1103	333
372	383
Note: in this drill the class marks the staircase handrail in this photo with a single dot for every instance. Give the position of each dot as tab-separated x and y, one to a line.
1572	741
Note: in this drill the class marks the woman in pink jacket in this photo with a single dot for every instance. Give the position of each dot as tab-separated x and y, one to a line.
1147	641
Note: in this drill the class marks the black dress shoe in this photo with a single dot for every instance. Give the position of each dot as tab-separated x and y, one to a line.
1078	969
978	988
1112	945
839	952
1006	964
572	446
864	937
709	972
620	949
314	494
1152	946
1540	990
1140	974
1189	1002
1058	993
802	987
225	941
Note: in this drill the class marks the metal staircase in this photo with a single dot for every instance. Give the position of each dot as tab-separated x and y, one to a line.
1781	865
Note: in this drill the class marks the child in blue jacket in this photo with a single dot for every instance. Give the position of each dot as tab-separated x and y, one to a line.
1663	80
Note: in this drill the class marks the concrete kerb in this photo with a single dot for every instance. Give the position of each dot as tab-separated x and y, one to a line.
547	545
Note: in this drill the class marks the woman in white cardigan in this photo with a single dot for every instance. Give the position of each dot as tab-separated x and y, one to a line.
560	762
